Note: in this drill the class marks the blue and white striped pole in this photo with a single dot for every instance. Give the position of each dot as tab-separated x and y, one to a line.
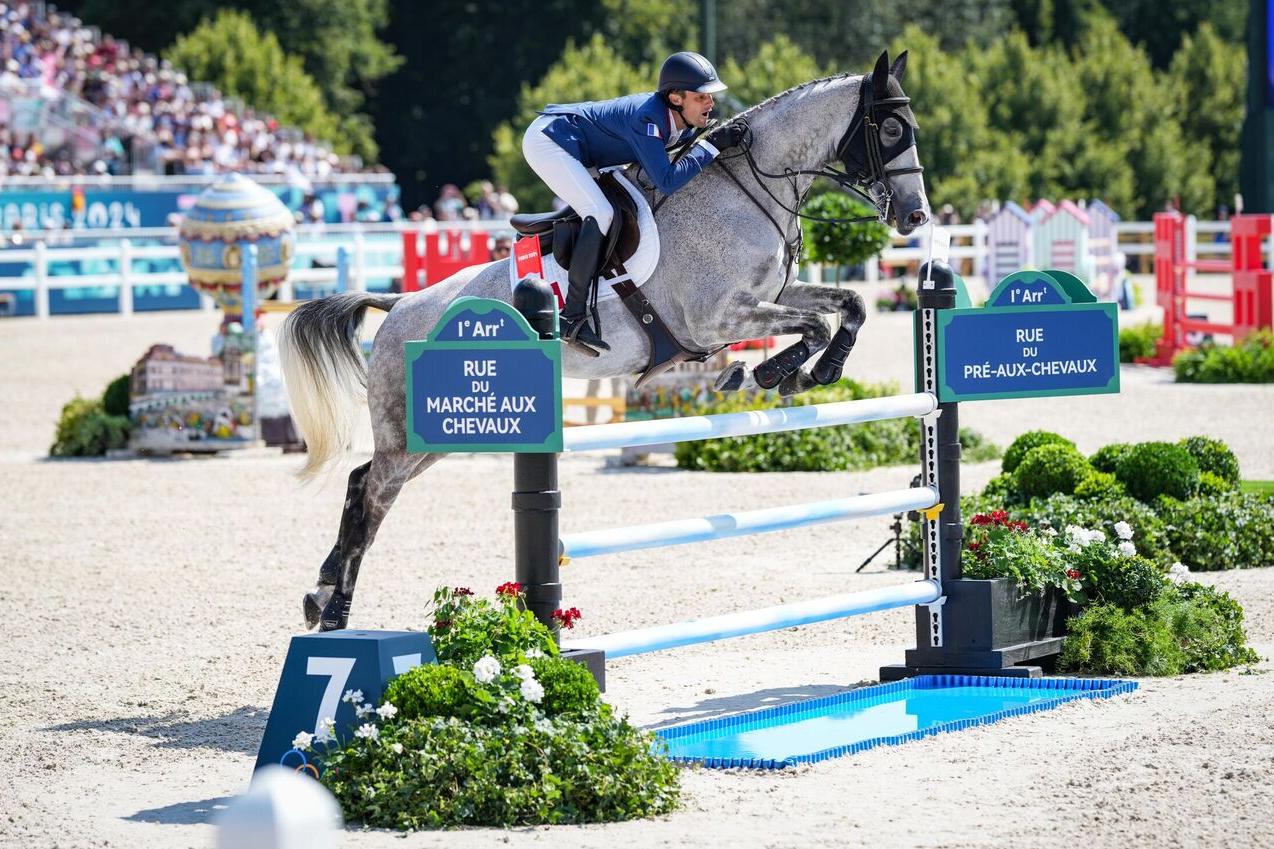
740	624
724	525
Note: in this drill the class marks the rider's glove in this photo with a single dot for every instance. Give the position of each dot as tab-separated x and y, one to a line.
728	135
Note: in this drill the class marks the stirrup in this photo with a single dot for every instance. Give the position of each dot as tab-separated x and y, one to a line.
578	334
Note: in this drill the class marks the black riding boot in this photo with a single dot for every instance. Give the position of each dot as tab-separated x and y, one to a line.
574	318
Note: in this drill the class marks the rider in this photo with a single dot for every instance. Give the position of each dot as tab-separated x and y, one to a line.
568	139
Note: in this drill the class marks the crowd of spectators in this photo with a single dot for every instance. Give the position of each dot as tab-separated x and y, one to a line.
133	112
486	202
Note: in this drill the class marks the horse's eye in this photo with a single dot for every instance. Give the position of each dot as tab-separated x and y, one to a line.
891	131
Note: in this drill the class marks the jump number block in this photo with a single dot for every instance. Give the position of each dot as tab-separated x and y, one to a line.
320	668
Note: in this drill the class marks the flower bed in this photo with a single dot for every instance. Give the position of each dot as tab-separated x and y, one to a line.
500	732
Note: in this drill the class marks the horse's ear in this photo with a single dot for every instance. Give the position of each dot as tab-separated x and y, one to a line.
880	75
899	67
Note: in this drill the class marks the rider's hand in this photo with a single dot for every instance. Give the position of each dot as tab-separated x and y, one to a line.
728	135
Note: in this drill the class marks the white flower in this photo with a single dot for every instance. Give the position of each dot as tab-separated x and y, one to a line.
326	728
367	731
525	672
387	711
396	748
532	690
1123	530
352	696
1179	573
486	669
303	740
1094	536
544	725
364	710
1127	549
533	653
1048	531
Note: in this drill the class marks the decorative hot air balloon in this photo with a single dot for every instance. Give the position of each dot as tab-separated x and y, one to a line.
229	215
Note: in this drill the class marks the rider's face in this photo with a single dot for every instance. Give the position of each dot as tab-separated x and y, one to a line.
694	107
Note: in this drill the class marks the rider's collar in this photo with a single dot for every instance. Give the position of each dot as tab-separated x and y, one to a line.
672	125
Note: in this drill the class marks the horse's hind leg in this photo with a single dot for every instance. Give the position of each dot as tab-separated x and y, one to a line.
371	492
760	320
824	299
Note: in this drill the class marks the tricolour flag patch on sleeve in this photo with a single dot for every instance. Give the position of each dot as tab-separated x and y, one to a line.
652	130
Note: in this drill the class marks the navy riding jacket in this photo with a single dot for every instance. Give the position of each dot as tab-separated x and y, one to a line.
637	128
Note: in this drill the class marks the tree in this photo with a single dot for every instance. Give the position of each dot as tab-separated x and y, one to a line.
777	66
593	71
1208	79
964	160
650	30
1161	27
230	53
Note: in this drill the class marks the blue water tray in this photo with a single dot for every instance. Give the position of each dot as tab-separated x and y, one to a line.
882	715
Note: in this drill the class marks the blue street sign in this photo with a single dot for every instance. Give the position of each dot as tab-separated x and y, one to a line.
1061	342
484	381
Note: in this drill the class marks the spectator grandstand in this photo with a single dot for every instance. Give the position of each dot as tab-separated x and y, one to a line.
74	101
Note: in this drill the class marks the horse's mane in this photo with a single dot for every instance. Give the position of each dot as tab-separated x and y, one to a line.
796	88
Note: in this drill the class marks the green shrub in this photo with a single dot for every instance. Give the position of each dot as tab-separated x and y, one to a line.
1126	582
816	449
1099	486
1002	486
1214	638
1213	456
1232	530
1151	469
86	430
444	773
1138	341
1210	484
1050	469
1025	443
1190	628
436	690
115	398
1251	361
569	688
1107	458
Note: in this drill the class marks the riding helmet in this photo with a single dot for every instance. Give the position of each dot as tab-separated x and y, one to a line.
691	72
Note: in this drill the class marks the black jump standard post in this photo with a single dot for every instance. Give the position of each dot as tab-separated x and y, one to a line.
537	500
977	627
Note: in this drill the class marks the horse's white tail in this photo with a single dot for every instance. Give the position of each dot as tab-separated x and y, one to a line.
325	373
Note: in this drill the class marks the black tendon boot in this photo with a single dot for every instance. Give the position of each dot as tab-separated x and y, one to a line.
574	318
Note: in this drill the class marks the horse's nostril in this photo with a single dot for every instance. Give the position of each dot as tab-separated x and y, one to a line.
917	218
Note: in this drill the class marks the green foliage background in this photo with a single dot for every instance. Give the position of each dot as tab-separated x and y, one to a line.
1135	102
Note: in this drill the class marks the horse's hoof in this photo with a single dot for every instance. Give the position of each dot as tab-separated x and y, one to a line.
313	603
731	377
795	383
335	615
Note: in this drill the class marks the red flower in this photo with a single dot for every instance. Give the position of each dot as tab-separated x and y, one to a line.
567	618
1073	574
1021	526
462	591
980	519
509	589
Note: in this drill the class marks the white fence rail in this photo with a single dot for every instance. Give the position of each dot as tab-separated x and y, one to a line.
376	255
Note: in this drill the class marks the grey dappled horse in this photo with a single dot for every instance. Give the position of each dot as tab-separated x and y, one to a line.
726	273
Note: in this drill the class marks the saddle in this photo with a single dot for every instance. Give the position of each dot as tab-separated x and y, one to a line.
555	233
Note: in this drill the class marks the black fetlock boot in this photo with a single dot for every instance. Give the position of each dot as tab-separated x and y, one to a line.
574	318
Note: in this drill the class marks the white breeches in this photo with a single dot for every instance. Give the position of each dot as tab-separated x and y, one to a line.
564	174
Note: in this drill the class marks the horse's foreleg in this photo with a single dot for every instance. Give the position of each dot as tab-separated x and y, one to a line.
372	490
761	320
824	299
